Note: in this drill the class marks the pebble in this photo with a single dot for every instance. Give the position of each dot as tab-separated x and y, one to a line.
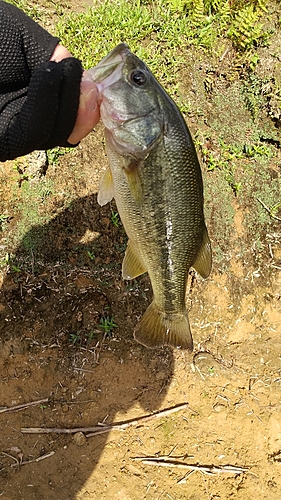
79	438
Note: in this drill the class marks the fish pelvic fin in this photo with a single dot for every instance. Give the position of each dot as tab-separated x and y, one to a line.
106	189
156	329
203	262
132	265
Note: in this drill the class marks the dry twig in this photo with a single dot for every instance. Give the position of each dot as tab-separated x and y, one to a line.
103	428
23	406
42	457
17	464
166	461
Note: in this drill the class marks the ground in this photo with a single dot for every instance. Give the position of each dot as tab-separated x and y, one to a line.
67	320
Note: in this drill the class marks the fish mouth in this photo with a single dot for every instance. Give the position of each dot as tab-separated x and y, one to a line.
110	68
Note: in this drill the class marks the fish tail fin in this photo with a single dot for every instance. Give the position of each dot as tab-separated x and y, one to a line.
156	329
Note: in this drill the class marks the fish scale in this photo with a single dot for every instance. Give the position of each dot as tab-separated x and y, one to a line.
155	178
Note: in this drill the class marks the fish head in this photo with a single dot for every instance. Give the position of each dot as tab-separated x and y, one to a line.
129	104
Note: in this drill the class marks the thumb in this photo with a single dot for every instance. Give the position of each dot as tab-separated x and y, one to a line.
88	95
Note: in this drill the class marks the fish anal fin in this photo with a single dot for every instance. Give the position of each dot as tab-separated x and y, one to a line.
106	189
156	329
203	262
132	265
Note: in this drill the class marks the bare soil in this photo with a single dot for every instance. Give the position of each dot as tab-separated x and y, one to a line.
64	277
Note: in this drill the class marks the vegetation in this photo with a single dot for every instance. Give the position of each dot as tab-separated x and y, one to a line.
115	218
3	221
175	25
107	325
83	337
208	54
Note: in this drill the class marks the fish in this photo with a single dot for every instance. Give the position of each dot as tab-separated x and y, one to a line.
156	180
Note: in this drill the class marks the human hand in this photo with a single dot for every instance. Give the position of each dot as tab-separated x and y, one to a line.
44	101
88	112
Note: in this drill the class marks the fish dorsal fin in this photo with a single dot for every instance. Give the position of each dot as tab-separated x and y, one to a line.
106	189
203	262
132	172
132	266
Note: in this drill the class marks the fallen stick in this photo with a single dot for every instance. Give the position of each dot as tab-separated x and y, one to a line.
54	430
206	469
11	456
24	405
26	462
101	428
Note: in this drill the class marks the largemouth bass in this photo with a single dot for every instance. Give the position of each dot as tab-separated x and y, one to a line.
155	178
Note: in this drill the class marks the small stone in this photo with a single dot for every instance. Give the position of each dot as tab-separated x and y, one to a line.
37	165
79	438
219	407
79	316
161	375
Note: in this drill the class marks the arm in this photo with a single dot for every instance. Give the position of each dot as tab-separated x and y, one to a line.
40	102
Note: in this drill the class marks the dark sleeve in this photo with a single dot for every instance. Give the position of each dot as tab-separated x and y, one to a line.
24	47
39	98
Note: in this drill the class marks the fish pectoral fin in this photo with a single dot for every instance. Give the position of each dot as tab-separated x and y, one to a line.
132	172
203	262
155	329
106	189
132	266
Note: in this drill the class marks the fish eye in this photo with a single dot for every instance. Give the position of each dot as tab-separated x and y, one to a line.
138	77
